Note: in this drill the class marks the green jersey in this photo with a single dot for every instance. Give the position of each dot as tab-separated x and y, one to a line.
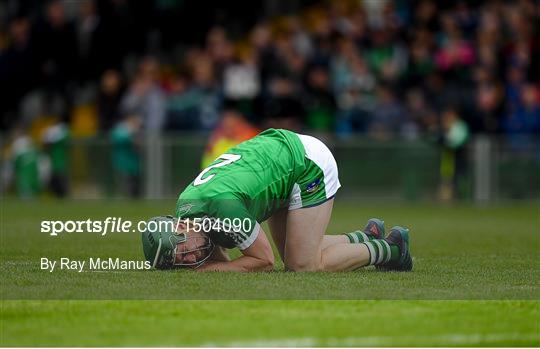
248	183
251	181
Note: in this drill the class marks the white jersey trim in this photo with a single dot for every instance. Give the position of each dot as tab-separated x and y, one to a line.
251	238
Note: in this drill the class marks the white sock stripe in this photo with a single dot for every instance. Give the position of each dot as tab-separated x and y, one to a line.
389	254
372	254
364	235
381	251
352	238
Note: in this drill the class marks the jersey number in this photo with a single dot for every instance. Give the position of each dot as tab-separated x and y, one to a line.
227	159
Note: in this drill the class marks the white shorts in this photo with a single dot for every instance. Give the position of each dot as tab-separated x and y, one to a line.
320	181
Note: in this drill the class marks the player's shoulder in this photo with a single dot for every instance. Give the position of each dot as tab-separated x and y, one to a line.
278	136
277	132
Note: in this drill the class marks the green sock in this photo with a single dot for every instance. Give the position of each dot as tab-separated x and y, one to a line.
358	236
381	252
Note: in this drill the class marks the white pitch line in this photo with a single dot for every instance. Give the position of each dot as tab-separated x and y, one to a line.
374	341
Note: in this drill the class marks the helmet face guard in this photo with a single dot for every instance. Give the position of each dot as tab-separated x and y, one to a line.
162	246
206	250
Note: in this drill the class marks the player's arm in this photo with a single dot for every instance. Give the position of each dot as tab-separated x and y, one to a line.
220	255
257	257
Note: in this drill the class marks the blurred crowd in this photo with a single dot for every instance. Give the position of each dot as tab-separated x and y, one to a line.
378	67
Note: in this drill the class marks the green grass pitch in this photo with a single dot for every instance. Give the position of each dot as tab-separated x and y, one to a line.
475	283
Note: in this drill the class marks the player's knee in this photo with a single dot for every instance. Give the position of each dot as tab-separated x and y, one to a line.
303	266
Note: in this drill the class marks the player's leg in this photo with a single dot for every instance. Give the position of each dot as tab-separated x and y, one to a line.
320	181
278	228
304	243
278	231
329	240
310	207
374	229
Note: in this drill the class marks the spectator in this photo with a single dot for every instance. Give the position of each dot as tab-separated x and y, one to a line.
525	118
55	141
387	57
232	129
18	68
490	108
145	98
195	98
455	52
421	62
241	79
206	91
455	135
320	103
91	40
182	110
56	44
354	87
219	49
388	116
126	160
24	160
421	118
109	99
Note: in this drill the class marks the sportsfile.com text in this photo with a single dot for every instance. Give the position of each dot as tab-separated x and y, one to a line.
102	227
